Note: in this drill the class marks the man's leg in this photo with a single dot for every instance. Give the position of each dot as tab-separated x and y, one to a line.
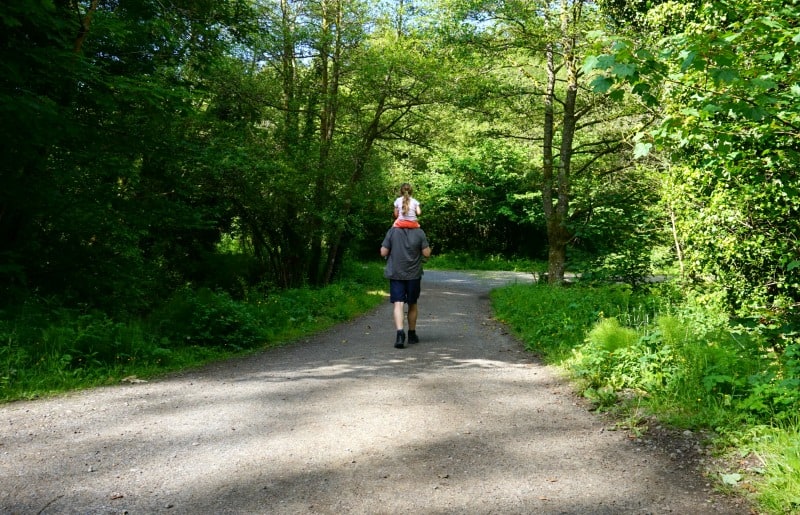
397	294
400	341
412	324
398	315
412	317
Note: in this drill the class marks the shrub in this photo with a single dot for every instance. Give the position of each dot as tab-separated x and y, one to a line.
553	320
208	319
616	358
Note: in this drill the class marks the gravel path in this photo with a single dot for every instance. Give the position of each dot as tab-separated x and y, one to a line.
463	422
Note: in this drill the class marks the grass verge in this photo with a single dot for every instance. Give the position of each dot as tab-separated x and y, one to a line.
46	350
480	262
678	358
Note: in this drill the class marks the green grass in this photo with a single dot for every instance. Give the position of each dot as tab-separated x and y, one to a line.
46	350
552	321
779	490
676	358
467	261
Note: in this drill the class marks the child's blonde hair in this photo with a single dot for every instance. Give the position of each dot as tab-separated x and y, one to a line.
406	191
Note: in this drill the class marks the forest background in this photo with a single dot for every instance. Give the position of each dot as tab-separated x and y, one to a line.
189	178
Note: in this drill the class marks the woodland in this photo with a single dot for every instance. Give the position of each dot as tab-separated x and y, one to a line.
191	174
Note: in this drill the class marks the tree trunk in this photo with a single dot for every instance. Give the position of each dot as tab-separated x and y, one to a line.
329	76
83	31
288	71
556	188
558	238
551	190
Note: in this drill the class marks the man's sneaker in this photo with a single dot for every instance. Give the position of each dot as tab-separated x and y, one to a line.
401	340
412	337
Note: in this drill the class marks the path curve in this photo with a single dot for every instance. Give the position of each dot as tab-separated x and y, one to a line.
464	422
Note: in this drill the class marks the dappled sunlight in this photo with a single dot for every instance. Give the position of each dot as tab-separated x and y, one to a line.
325	439
454	293
465	421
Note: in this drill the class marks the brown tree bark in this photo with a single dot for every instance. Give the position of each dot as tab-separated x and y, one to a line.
86	22
556	189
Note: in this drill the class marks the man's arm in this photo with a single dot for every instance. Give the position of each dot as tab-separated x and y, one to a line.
385	252
426	252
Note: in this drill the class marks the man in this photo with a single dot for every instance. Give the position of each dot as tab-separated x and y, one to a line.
405	249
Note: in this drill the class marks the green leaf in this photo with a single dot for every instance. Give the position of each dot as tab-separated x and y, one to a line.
10	21
791	266
755	113
650	99
643	53
724	75
602	84
590	63
724	59
606	61
765	83
617	95
731	479
769	22
623	70
620	45
641	149
641	88
598	62
688	59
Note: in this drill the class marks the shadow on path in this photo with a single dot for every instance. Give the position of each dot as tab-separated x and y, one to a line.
464	422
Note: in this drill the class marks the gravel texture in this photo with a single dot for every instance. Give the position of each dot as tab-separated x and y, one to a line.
465	421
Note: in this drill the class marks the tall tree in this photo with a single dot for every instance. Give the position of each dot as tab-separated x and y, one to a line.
105	127
534	51
351	75
730	131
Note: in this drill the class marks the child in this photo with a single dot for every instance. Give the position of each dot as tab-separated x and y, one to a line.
406	208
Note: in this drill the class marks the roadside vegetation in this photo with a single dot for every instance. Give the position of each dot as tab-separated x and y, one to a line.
184	181
662	354
472	261
49	349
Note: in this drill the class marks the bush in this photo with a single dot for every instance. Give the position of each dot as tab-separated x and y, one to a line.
208	319
678	357
45	348
554	320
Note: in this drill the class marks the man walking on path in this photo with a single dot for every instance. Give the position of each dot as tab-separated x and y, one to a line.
404	250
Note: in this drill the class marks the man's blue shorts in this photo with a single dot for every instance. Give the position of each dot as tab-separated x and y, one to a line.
404	291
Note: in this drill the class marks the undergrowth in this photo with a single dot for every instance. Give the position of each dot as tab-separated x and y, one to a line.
681	358
46	350
471	261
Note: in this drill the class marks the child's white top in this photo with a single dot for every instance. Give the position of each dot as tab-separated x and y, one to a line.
413	205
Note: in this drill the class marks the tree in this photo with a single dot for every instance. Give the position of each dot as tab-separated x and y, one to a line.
477	200
534	52
343	90
730	130
116	215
